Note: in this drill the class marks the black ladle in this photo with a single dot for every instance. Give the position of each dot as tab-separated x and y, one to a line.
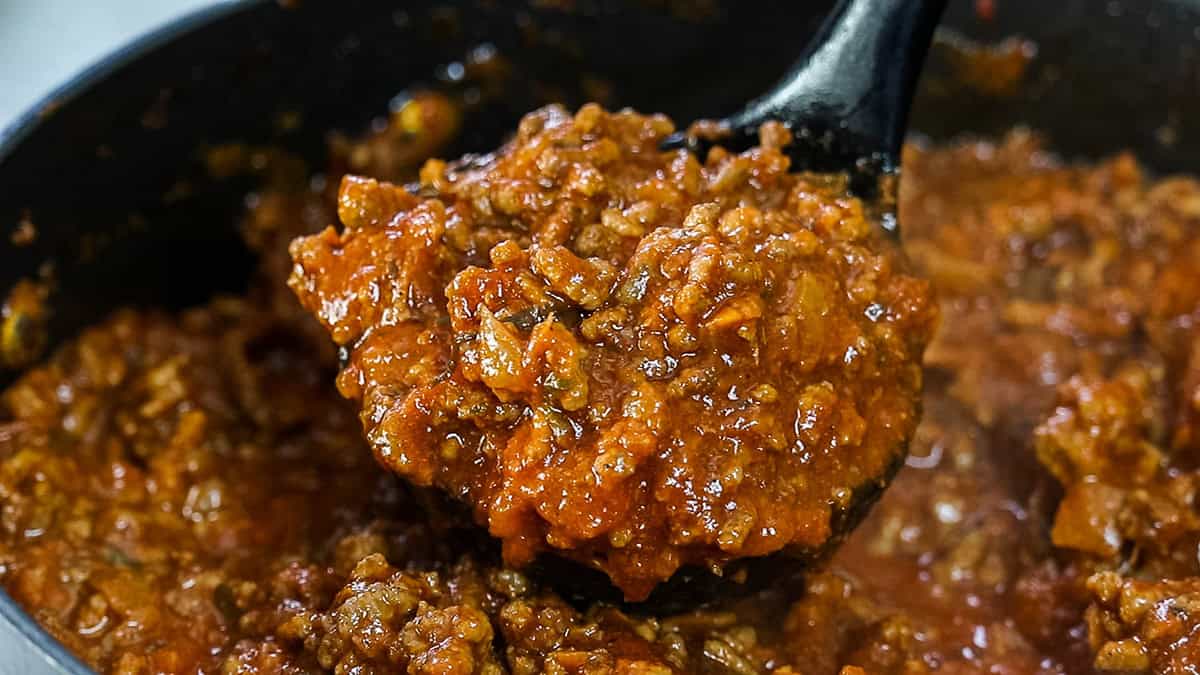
846	99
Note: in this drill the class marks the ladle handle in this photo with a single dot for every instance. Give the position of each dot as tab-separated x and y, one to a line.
847	97
852	88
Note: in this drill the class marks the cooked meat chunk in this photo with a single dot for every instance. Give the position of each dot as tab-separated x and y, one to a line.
621	355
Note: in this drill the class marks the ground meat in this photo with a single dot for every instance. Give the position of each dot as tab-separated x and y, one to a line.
190	493
625	356
131	479
173	553
1145	626
1070	300
385	620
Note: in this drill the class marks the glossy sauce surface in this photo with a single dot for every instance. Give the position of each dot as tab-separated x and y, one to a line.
622	355
190	493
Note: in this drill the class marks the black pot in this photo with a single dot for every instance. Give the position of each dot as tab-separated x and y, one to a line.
93	165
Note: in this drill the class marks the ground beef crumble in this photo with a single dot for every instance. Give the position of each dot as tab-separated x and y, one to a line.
189	493
625	356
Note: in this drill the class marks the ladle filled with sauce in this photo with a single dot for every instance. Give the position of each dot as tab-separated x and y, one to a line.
683	369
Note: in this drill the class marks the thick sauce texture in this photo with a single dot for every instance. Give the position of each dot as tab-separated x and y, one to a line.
190	493
625	356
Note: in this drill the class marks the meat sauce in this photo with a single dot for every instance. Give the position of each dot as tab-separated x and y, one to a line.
191	493
622	355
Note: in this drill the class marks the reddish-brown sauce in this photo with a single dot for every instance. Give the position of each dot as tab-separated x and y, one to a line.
622	355
190	494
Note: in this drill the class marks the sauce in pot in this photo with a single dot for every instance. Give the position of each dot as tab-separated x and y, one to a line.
191	493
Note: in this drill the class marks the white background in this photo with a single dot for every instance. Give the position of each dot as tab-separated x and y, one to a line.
44	42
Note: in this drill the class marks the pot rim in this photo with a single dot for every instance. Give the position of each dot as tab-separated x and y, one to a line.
91	75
